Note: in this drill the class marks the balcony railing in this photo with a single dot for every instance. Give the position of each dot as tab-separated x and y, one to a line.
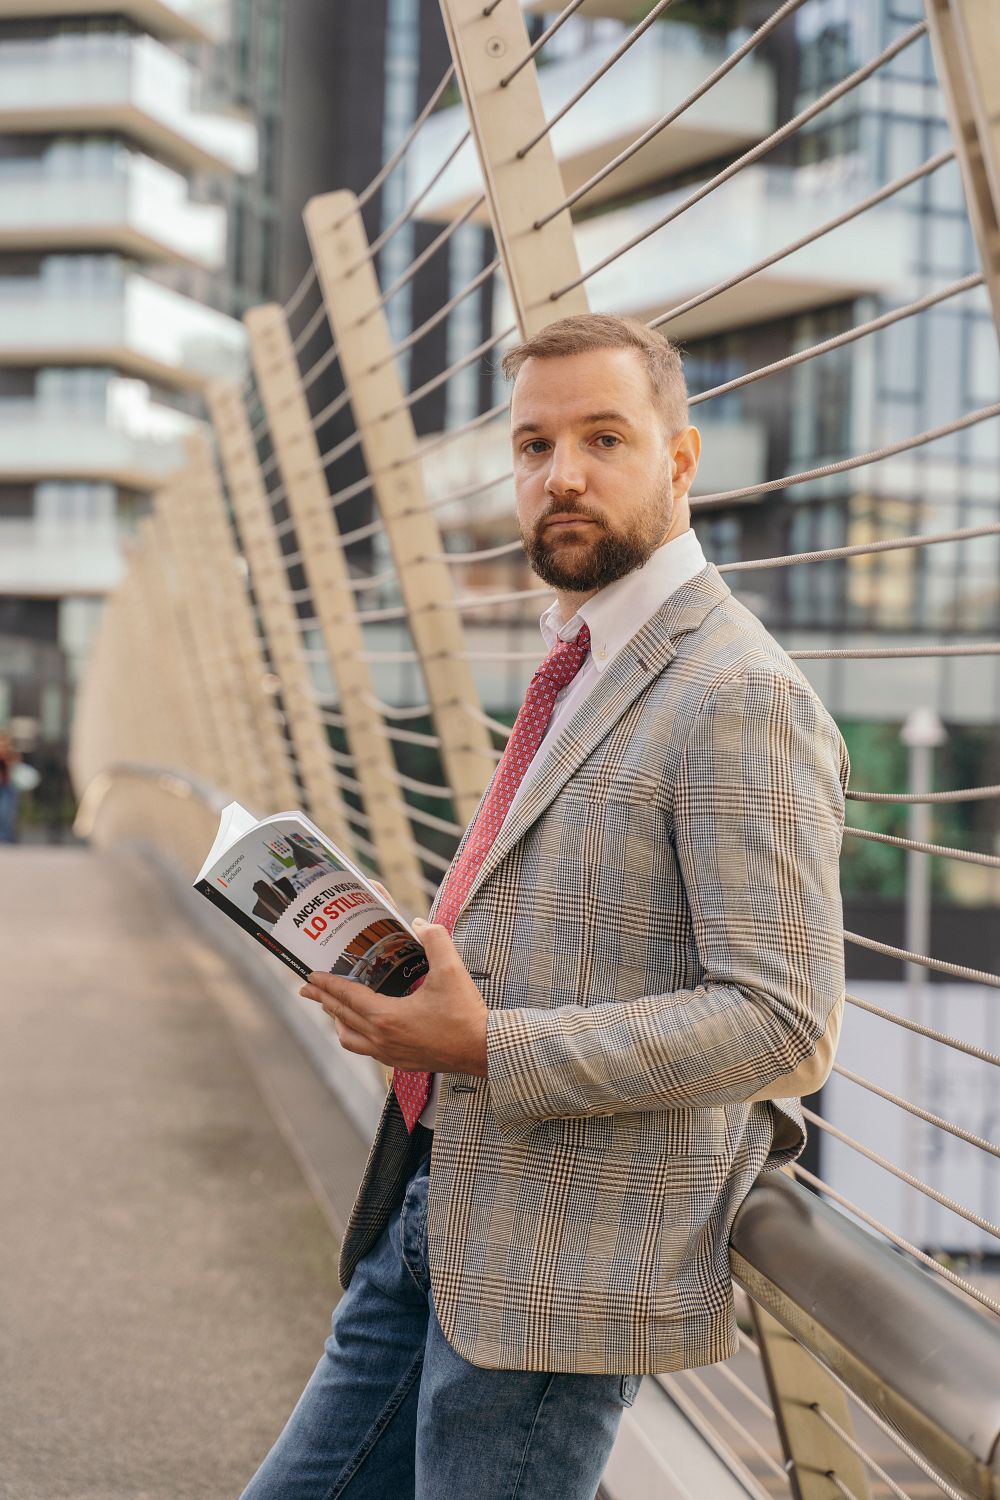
113	81
765	208
128	322
123	440
125	202
174	20
50	558
646	83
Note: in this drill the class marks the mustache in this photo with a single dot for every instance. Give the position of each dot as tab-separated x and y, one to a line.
566	510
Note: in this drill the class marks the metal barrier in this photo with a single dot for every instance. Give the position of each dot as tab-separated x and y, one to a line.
360	667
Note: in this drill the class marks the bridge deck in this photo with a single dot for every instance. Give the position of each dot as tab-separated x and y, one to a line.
167	1275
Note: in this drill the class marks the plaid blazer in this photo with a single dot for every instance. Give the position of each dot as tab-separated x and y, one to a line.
658	934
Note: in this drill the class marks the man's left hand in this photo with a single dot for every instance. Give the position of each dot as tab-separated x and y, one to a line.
439	1028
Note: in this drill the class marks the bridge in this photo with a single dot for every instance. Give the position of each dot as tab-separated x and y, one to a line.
184	1138
183	1134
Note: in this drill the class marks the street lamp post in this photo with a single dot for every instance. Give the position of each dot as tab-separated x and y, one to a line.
922	733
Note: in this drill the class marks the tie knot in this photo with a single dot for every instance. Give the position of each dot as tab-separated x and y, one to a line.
566	658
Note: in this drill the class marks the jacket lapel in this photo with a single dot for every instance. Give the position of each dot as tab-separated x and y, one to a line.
647	654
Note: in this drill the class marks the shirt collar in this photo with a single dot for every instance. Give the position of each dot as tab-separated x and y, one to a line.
617	612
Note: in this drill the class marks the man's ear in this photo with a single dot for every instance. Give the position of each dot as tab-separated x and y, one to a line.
685	451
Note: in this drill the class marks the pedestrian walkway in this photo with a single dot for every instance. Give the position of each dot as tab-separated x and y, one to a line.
167	1276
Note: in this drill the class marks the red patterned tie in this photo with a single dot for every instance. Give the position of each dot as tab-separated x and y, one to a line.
556	672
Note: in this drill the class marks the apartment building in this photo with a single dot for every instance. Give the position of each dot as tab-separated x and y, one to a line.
916	375
113	246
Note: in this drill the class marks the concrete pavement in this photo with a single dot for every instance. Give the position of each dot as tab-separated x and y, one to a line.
166	1276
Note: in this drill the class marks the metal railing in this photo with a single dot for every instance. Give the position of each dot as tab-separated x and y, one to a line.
262	642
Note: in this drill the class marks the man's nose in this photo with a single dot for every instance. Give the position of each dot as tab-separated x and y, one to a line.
565	476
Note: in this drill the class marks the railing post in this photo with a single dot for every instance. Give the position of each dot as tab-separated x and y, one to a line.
502	120
361	331
239	766
183	725
308	498
224	577
795	1382
965	35
281	623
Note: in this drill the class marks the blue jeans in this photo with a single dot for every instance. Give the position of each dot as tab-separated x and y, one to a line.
391	1412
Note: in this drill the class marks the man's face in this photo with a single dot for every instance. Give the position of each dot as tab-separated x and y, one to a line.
595	472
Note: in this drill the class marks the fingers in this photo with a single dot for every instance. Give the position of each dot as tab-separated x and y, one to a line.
436	941
347	1002
351	1040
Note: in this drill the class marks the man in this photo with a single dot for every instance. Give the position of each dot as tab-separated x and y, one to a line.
636	965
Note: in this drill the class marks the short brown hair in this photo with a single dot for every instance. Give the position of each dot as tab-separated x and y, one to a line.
583	332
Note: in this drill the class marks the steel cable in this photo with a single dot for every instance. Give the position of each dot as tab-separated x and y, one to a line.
928	1260
969	856
965	794
300	291
330	409
404	146
419	711
839	340
969	1048
547	34
968	1136
897	1437
421	260
605	67
307	332
860	1452
443	825
961	971
408	212
970	648
968	1214
831	96
878	196
709	1398
889	450
439	316
438	380
506	730
466	494
674	114
856	549
323	363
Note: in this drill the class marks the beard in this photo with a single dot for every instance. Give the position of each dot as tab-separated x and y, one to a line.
593	561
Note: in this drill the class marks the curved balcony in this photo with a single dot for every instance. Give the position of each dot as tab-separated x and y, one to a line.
750	217
174	20
49	559
127	440
133	325
662	69
132	86
129	204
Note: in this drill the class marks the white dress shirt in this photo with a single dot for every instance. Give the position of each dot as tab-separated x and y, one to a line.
614	615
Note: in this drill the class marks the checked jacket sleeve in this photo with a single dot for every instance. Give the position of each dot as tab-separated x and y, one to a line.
758	815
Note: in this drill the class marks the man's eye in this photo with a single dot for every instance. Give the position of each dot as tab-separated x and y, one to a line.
536	445
608	438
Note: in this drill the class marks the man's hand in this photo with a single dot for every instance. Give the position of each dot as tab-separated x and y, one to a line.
440	1028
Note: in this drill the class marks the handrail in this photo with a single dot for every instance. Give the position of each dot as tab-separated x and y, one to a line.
874	1319
865	1312
177	783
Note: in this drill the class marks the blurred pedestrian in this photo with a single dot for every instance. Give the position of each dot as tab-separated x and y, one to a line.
9	758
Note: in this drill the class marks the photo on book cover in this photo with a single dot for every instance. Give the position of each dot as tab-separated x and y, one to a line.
307	902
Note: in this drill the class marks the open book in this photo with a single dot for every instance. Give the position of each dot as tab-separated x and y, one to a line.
284	881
